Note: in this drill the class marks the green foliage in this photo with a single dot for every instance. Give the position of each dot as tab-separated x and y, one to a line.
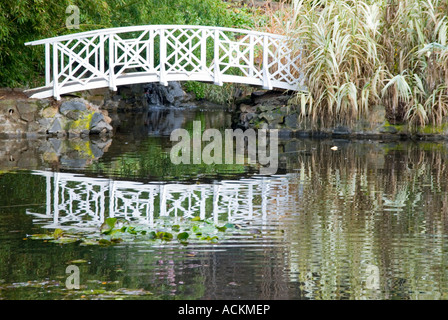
27	20
223	95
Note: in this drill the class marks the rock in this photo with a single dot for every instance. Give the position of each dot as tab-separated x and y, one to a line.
108	119
56	127
74	115
97	100
74	134
49	112
388	129
247	108
66	161
56	144
266	108
43	103
26	110
45	124
160	95
270	97
248	116
341	130
96	118
26	107
272	117
72	105
96	151
100	127
291	121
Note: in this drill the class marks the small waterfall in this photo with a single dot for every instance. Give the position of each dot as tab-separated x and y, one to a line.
171	95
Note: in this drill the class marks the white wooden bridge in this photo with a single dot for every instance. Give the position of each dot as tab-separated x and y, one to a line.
161	53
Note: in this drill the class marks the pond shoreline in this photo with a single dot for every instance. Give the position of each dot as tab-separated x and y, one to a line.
23	117
279	110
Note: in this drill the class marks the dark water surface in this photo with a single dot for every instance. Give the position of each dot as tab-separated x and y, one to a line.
367	221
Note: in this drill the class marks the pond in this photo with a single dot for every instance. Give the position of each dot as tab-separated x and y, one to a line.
365	221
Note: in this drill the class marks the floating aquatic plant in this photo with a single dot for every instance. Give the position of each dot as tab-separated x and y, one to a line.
118	230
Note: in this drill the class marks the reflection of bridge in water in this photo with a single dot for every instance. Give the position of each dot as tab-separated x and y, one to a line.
76	201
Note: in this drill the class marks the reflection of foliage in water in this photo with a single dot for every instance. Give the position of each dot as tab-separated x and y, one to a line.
151	158
152	161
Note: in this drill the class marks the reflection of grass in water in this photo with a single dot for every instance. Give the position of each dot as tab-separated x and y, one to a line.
376	209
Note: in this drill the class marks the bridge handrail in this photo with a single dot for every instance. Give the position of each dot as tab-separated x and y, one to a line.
108	31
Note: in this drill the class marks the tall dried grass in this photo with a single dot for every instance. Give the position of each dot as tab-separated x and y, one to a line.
360	53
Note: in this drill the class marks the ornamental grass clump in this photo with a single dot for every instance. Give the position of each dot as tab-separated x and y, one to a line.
415	51
358	53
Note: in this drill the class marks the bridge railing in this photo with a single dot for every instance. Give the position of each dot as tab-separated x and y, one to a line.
162	53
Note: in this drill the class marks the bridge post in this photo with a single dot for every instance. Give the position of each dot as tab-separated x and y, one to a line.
112	85
102	58
217	74
204	51
162	75
251	55
266	77
47	65
55	72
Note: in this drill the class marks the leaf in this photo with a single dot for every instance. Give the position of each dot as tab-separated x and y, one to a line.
57	233
111	222
41	237
152	235
164	235
104	242
222	229
183	236
64	240
175	228
109	232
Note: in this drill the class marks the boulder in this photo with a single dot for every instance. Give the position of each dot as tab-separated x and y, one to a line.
101	127
56	127
292	120
72	105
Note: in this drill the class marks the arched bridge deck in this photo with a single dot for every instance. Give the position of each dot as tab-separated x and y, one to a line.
162	53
